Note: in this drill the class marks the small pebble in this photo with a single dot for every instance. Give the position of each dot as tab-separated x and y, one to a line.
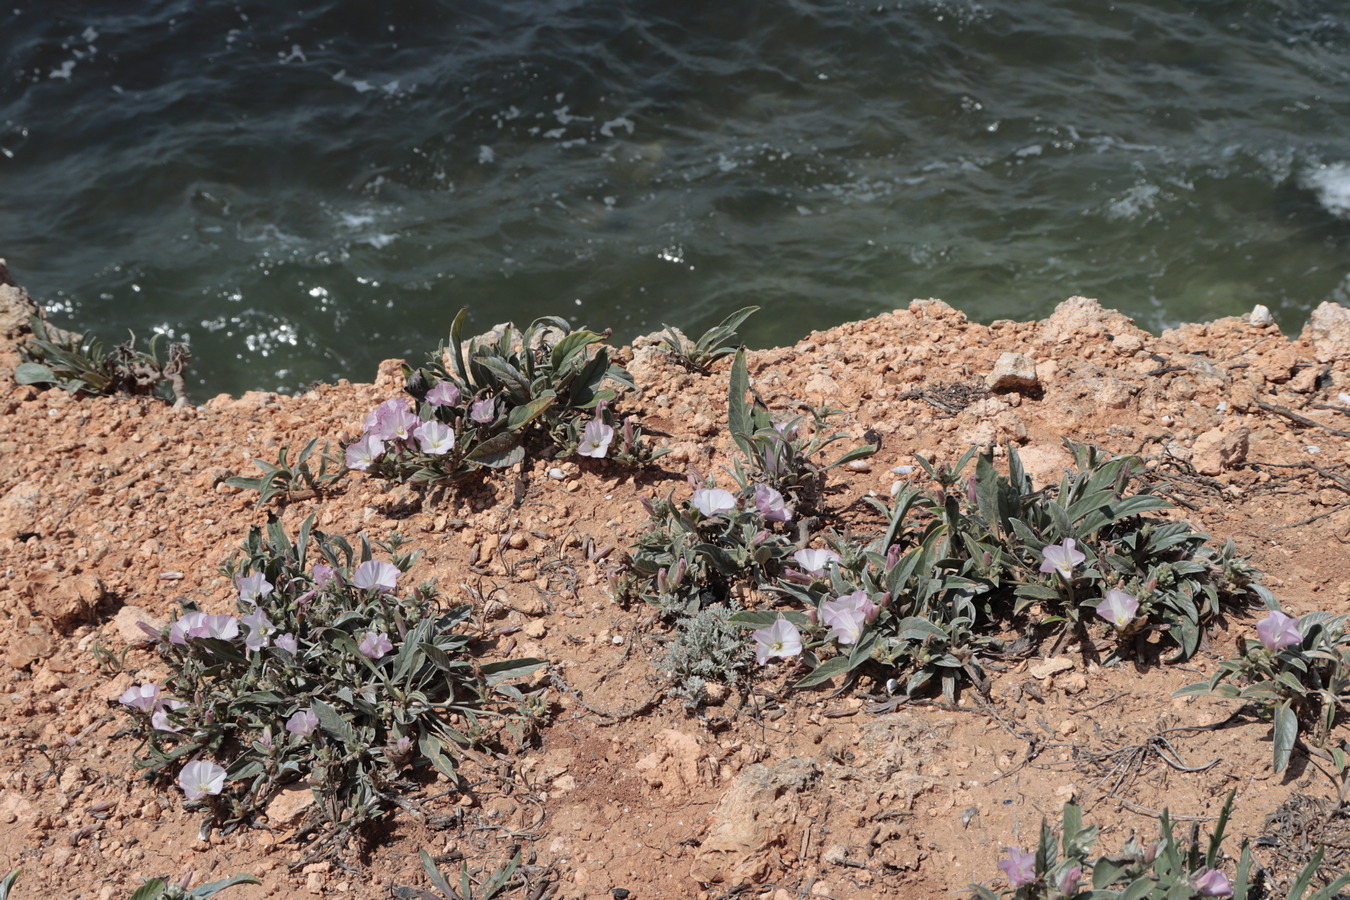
902	470
556	474
860	465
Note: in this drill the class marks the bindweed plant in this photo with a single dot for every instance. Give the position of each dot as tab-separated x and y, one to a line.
332	678
952	568
1297	672
489	887
782	454
1169	868
68	361
476	411
698	355
158	888
292	480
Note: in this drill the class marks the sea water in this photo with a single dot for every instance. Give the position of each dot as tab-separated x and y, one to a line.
300	190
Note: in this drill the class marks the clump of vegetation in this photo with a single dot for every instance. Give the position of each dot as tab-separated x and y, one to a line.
1169	868
158	888
698	355
68	361
332	677
548	380
1297	674
292	480
708	647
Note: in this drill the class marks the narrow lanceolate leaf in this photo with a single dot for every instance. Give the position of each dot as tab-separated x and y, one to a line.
837	665
334	724
215	887
738	414
497	452
435	877
510	670
34	373
1286	733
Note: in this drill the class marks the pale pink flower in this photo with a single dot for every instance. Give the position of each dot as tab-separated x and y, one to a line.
1278	631
160	720
374	646
1212	883
362	454
225	628
189	625
200	778
260	630
860	601
393	420
711	501
483	411
303	722
595	439
375	575
1019	867
846	622
1118	608
144	697
815	562
252	588
287	642
435	438
443	394
1061	558
779	639
326	575
771	505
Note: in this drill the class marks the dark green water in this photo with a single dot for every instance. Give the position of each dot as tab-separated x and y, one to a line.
301	190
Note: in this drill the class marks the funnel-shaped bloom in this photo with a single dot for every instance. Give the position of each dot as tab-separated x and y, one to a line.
779	639
1061	558
860	601
287	642
595	439
483	411
771	505
252	588
160	720
303	722
1278	631
393	420
846	621
711	501
1019	867
375	575
144	697
1118	608
1212	883
374	646
200	778
260	630
443	394
815	562
362	454
435	438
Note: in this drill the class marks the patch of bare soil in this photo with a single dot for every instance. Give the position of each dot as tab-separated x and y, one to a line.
113	509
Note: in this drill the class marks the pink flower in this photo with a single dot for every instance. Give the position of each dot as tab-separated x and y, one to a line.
711	501
303	722
144	697
1212	883
771	505
375	575
392	420
287	642
252	588
1278	631
1019	867
1061	558
845	620
1118	608
225	628
483	411
595	439
1068	882
374	646
326	575
189	625
435	439
362	454
815	562
779	639
200	778
443	394
160	720
260	630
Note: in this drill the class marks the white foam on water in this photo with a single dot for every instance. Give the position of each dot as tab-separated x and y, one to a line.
296	55
1331	183
1138	199
64	71
607	129
486	155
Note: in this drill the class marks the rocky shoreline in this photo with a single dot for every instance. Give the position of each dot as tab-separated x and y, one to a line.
111	509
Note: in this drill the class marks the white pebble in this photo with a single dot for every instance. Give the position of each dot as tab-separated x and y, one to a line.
860	465
1260	316
896	488
556	474
902	470
1313	448
617	639
1223	406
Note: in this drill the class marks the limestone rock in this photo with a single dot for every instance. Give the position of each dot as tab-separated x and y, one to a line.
752	821
1220	449
1328	330
67	600
19	509
1013	372
289	807
673	766
128	624
1080	316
